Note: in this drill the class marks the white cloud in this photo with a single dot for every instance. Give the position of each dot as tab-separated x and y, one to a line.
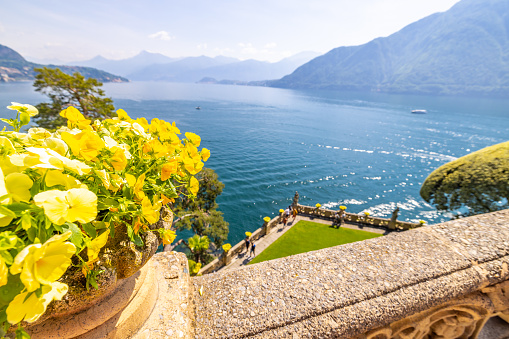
247	48
270	45
161	35
202	46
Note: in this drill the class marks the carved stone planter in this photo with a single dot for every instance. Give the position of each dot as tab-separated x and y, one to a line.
124	299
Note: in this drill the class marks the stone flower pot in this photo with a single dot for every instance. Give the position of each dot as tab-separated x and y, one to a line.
126	294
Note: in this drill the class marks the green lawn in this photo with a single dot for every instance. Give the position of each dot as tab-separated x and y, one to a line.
308	236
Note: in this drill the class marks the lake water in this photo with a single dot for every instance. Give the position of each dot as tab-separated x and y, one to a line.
362	150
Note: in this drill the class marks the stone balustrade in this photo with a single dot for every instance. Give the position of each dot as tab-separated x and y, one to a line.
356	218
322	213
442	281
226	258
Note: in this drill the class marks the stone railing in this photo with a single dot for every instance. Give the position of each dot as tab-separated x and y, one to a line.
361	219
441	281
226	258
322	213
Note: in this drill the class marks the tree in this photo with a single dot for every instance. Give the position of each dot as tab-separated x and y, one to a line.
201	214
66	90
198	247
473	184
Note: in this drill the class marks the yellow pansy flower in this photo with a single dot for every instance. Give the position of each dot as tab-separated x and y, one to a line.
205	154
192	152
154	148
139	130
4	219
54	177
42	264
7	165
168	169
157	126
168	237
74	118
85	144
193	166
29	109
96	244
76	166
18	185
118	159
143	123
47	158
138	187
30	308
57	145
3	272
123	116
150	212
109	142
165	200
39	133
104	176
193	138
77	204
194	186
172	128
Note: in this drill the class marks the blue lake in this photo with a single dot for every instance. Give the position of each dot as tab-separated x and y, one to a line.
362	150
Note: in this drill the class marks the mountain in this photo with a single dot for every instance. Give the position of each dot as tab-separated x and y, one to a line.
178	70
195	69
464	50
126	66
13	67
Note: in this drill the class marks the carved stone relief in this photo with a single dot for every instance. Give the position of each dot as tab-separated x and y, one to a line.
499	295
458	319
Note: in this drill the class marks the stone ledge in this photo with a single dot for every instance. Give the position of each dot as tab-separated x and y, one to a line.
370	283
172	314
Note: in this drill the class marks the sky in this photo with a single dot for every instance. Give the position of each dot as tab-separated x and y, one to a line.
267	30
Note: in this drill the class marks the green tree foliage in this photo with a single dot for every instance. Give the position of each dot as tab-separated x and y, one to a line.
198	247
69	90
478	182
202	216
194	267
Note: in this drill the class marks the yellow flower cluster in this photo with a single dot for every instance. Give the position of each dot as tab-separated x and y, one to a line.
63	193
227	247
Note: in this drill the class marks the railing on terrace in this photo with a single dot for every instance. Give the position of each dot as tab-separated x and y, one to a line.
321	213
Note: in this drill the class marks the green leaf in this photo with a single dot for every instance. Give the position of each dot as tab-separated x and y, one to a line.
76	236
21	334
19	207
7	212
32	233
26	221
24	118
13	287
90	229
137	240
130	232
105	204
7	257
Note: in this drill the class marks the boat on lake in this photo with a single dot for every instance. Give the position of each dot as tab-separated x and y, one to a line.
419	111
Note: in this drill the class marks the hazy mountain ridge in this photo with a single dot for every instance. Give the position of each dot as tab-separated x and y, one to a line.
127	66
13	68
148	66
460	51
